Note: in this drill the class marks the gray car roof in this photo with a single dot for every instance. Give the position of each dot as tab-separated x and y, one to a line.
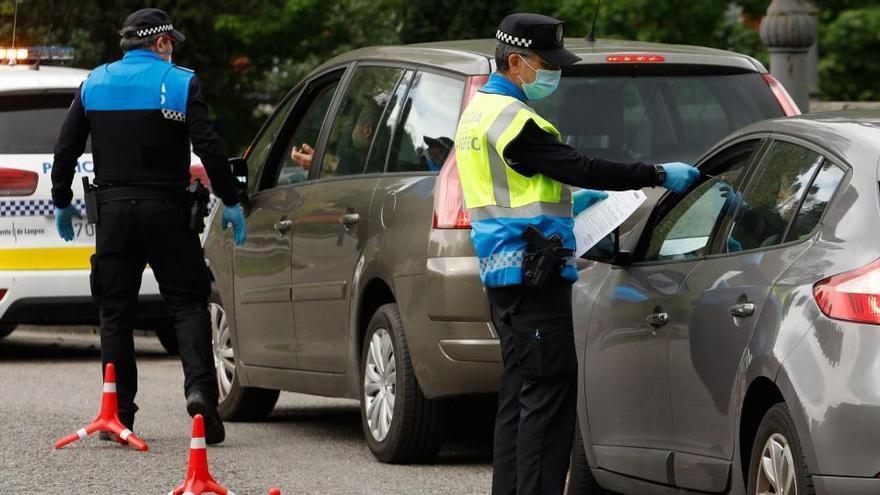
852	135
471	57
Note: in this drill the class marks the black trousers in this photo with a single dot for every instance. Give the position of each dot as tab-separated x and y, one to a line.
538	394
131	234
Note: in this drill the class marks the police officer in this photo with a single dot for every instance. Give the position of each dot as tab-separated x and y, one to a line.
516	172
142	112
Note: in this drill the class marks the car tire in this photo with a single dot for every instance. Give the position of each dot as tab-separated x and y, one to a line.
168	338
580	477
236	403
777	450
6	329
416	428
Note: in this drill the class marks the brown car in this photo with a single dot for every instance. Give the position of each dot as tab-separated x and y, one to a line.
359	279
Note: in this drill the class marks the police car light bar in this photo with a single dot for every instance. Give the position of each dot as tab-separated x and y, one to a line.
43	53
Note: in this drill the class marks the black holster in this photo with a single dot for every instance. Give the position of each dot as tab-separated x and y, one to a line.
544	259
197	203
91	198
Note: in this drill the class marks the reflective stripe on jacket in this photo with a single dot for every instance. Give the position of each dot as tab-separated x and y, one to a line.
502	202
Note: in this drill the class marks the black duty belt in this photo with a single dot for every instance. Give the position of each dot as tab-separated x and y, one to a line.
132	193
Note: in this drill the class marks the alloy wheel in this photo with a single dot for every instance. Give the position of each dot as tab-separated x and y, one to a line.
380	381
221	337
776	471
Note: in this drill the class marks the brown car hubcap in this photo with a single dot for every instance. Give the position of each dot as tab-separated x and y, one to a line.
776	472
380	380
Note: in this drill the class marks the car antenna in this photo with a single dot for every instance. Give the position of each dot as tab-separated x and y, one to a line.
592	36
36	65
14	25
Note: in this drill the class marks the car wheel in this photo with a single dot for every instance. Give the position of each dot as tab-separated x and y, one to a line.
399	423
236	403
168	338
580	477
777	462
6	329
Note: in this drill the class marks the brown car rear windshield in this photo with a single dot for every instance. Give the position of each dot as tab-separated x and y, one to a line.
30	124
655	118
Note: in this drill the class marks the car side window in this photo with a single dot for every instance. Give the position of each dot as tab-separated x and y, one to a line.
424	137
818	196
355	124
773	196
263	145
379	150
686	230
296	161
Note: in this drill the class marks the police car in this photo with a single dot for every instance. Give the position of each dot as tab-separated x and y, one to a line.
44	280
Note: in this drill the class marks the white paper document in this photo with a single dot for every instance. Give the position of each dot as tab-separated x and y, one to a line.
599	220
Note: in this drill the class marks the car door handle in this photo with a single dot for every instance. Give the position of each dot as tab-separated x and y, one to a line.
350	219
742	310
283	226
658	319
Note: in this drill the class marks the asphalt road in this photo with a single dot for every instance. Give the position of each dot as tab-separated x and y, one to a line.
50	386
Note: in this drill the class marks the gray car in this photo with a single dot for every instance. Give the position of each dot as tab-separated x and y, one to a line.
731	343
359	278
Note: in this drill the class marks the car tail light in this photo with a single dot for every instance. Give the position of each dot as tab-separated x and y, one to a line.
635	58
851	296
2	294
16	182
198	172
449	208
788	105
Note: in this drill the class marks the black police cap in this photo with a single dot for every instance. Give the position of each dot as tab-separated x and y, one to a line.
539	33
149	22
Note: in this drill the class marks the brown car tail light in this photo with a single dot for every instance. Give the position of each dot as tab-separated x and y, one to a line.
635	58
449	208
851	296
788	105
198	172
2	294
16	182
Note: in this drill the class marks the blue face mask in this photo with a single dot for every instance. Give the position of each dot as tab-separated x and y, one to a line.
545	83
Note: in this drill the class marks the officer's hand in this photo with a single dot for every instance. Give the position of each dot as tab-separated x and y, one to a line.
64	221
586	198
679	176
235	216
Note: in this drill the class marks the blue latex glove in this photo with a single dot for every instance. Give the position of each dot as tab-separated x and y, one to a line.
586	198
679	176
733	245
235	216
732	199
64	221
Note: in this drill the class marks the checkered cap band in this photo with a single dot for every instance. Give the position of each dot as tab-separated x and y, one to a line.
165	28
513	40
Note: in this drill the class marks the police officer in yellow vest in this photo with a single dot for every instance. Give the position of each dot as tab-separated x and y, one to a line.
516	173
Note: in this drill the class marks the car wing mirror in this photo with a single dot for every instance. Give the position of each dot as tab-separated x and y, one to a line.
239	168
608	251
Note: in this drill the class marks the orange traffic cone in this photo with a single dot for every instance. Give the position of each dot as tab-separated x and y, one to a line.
198	478
108	419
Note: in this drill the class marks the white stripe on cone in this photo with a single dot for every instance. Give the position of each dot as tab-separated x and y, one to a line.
110	387
125	434
81	433
198	443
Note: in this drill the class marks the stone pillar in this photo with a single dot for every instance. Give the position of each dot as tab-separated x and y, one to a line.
813	56
788	31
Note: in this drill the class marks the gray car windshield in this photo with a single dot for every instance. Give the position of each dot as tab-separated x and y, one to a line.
30	124
655	118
